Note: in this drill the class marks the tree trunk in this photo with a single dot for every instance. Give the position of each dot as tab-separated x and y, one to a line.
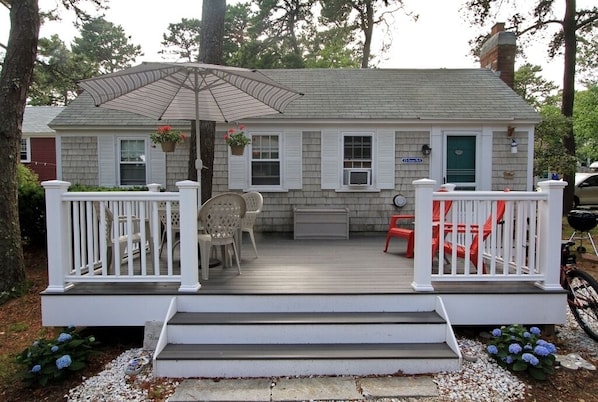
15	79
568	98
210	51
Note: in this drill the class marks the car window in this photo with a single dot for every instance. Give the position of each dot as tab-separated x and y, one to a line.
592	181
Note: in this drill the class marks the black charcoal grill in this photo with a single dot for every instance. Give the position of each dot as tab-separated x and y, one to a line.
582	221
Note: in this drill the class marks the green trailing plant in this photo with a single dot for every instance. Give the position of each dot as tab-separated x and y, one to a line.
32	208
167	134
236	137
53	360
518	349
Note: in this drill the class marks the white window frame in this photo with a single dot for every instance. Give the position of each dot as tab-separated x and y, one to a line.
27	141
371	169
280	161
119	141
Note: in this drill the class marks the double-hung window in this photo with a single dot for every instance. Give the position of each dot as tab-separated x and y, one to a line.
25	150
265	160
132	162
357	160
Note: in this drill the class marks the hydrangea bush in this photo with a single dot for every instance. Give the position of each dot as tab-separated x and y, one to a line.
52	360
519	349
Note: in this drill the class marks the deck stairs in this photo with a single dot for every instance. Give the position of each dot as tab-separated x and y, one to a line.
296	339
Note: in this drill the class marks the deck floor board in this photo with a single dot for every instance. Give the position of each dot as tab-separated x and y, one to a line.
287	266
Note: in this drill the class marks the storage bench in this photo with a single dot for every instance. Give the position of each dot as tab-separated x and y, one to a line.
321	223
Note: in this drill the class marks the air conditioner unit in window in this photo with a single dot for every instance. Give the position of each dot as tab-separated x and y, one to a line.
358	177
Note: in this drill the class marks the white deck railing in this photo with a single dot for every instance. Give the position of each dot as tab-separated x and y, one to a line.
83	246
522	245
116	236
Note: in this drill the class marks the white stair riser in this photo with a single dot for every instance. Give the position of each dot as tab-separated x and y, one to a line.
307	303
307	333
267	368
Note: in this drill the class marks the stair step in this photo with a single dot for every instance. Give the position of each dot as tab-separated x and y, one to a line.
306	351
421	317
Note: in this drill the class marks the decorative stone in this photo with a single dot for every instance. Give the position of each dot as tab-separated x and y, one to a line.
573	361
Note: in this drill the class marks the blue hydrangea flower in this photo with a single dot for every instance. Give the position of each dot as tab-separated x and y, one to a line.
36	369
551	348
63	362
528	347
496	332
514	348
492	349
513	337
541	350
535	330
526	334
541	342
54	349
64	337
509	359
531	359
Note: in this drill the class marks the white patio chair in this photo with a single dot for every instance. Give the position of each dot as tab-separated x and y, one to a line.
175	224
254	202
220	218
113	236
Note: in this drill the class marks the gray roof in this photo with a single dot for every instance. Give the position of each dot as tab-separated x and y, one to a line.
358	94
37	118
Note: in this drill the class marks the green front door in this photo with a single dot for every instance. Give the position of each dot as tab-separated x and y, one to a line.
461	161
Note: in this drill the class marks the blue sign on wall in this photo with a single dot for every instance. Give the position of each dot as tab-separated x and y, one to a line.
412	160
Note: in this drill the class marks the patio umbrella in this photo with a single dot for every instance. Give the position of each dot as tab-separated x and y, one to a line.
190	91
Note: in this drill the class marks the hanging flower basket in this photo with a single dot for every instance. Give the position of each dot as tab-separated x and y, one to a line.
237	149
167	138
236	140
168	146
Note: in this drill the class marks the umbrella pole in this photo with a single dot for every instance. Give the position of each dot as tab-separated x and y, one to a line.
198	161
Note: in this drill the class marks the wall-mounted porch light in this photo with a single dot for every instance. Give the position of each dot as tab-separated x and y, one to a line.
514	146
426	150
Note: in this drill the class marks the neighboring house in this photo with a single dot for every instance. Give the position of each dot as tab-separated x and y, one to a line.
38	144
355	140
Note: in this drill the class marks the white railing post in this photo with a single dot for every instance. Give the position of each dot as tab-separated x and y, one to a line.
550	229
188	246
422	275
57	235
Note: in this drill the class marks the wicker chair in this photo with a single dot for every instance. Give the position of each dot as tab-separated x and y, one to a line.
220	217
120	240
254	202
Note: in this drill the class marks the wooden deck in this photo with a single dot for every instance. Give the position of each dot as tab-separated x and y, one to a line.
287	266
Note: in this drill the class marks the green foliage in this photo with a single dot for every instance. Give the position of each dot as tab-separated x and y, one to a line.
532	87
53	360
32	207
585	123
106	44
550	153
518	349
182	39
86	188
56	72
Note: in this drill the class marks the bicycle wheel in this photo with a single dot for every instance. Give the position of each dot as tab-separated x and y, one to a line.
583	301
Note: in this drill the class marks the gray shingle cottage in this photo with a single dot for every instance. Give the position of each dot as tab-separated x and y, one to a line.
355	140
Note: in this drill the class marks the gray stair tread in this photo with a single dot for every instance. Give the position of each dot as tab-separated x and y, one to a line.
422	317
306	351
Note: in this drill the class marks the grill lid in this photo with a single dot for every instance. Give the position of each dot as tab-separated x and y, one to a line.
583	221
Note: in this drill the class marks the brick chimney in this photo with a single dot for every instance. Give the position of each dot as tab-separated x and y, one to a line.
498	53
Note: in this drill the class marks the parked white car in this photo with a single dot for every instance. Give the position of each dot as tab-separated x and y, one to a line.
586	189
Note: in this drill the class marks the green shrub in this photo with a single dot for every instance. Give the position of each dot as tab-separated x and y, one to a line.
32	208
517	349
52	361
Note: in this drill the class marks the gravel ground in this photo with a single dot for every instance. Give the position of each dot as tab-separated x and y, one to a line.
479	380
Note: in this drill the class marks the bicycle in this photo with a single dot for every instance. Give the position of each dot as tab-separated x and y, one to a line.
582	291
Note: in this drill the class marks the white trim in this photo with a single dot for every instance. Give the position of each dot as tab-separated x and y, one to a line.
27	150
